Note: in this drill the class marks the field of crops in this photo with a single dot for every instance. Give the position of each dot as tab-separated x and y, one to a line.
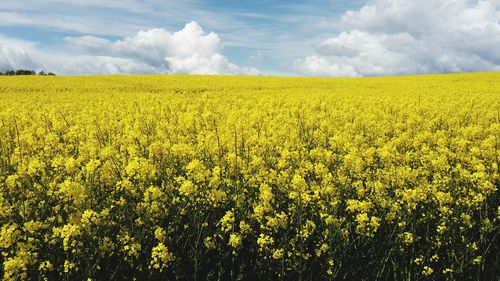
248	178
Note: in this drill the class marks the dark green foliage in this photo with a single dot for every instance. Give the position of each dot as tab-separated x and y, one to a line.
20	72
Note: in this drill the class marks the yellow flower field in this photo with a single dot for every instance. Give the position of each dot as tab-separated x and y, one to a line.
250	178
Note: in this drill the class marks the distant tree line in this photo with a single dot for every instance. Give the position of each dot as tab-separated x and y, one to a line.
25	72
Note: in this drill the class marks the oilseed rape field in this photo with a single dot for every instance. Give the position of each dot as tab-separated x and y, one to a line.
250	178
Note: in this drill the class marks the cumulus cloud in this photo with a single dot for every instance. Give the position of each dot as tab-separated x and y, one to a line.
392	37
14	52
190	50
11	56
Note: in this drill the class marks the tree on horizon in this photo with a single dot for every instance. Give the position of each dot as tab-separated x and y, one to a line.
20	72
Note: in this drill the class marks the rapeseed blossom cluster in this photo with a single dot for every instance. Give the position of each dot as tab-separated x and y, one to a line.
224	178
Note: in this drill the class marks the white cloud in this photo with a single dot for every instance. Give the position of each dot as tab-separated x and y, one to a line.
189	50
391	37
11	56
14	53
98	65
18	19
213	64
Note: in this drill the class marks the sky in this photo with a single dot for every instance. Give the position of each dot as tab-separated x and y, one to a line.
329	38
